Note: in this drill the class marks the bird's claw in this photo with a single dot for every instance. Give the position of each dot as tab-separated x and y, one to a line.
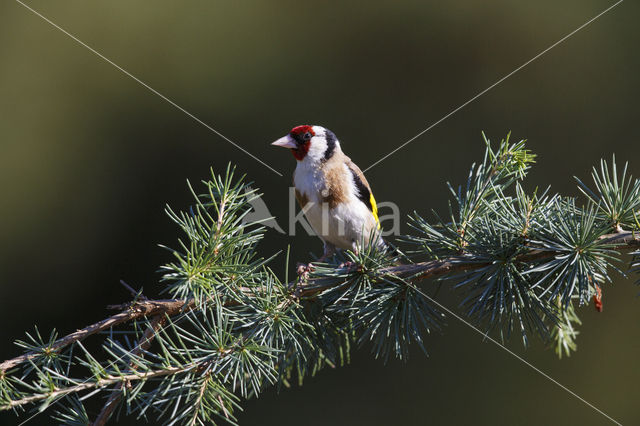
348	265
303	269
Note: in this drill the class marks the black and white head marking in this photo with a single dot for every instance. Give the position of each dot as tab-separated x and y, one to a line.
331	139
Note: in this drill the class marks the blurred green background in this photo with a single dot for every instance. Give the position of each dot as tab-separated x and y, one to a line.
88	159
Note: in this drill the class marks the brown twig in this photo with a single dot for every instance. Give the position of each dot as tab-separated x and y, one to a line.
145	342
105	381
130	312
198	402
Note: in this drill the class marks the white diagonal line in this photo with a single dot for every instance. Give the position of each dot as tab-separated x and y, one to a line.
518	357
151	89
494	84
459	318
383	158
29	419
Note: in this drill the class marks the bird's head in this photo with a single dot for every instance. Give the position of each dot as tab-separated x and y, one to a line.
309	143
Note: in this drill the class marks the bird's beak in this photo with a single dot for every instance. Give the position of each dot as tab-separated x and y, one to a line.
286	142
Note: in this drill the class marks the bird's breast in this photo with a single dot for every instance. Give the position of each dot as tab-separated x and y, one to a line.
310	185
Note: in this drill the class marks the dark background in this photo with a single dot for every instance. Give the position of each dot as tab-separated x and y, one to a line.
88	159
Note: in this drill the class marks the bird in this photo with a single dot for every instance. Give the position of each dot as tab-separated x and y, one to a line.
332	191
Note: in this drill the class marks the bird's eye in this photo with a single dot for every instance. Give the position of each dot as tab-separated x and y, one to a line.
306	136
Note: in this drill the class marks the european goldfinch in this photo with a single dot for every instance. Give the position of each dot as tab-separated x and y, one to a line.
331	190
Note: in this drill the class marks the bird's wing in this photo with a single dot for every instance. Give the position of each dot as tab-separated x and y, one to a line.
364	190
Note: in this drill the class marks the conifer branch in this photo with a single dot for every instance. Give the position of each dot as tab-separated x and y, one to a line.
412	273
521	263
133	311
100	383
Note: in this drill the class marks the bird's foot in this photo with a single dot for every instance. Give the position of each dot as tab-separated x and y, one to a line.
303	269
350	266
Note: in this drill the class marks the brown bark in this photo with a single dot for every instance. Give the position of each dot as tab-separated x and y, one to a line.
145	342
160	310
130	312
414	272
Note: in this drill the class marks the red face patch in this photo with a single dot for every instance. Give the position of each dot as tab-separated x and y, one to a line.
302	135
299	131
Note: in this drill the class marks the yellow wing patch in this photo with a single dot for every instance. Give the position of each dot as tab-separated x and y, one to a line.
374	209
